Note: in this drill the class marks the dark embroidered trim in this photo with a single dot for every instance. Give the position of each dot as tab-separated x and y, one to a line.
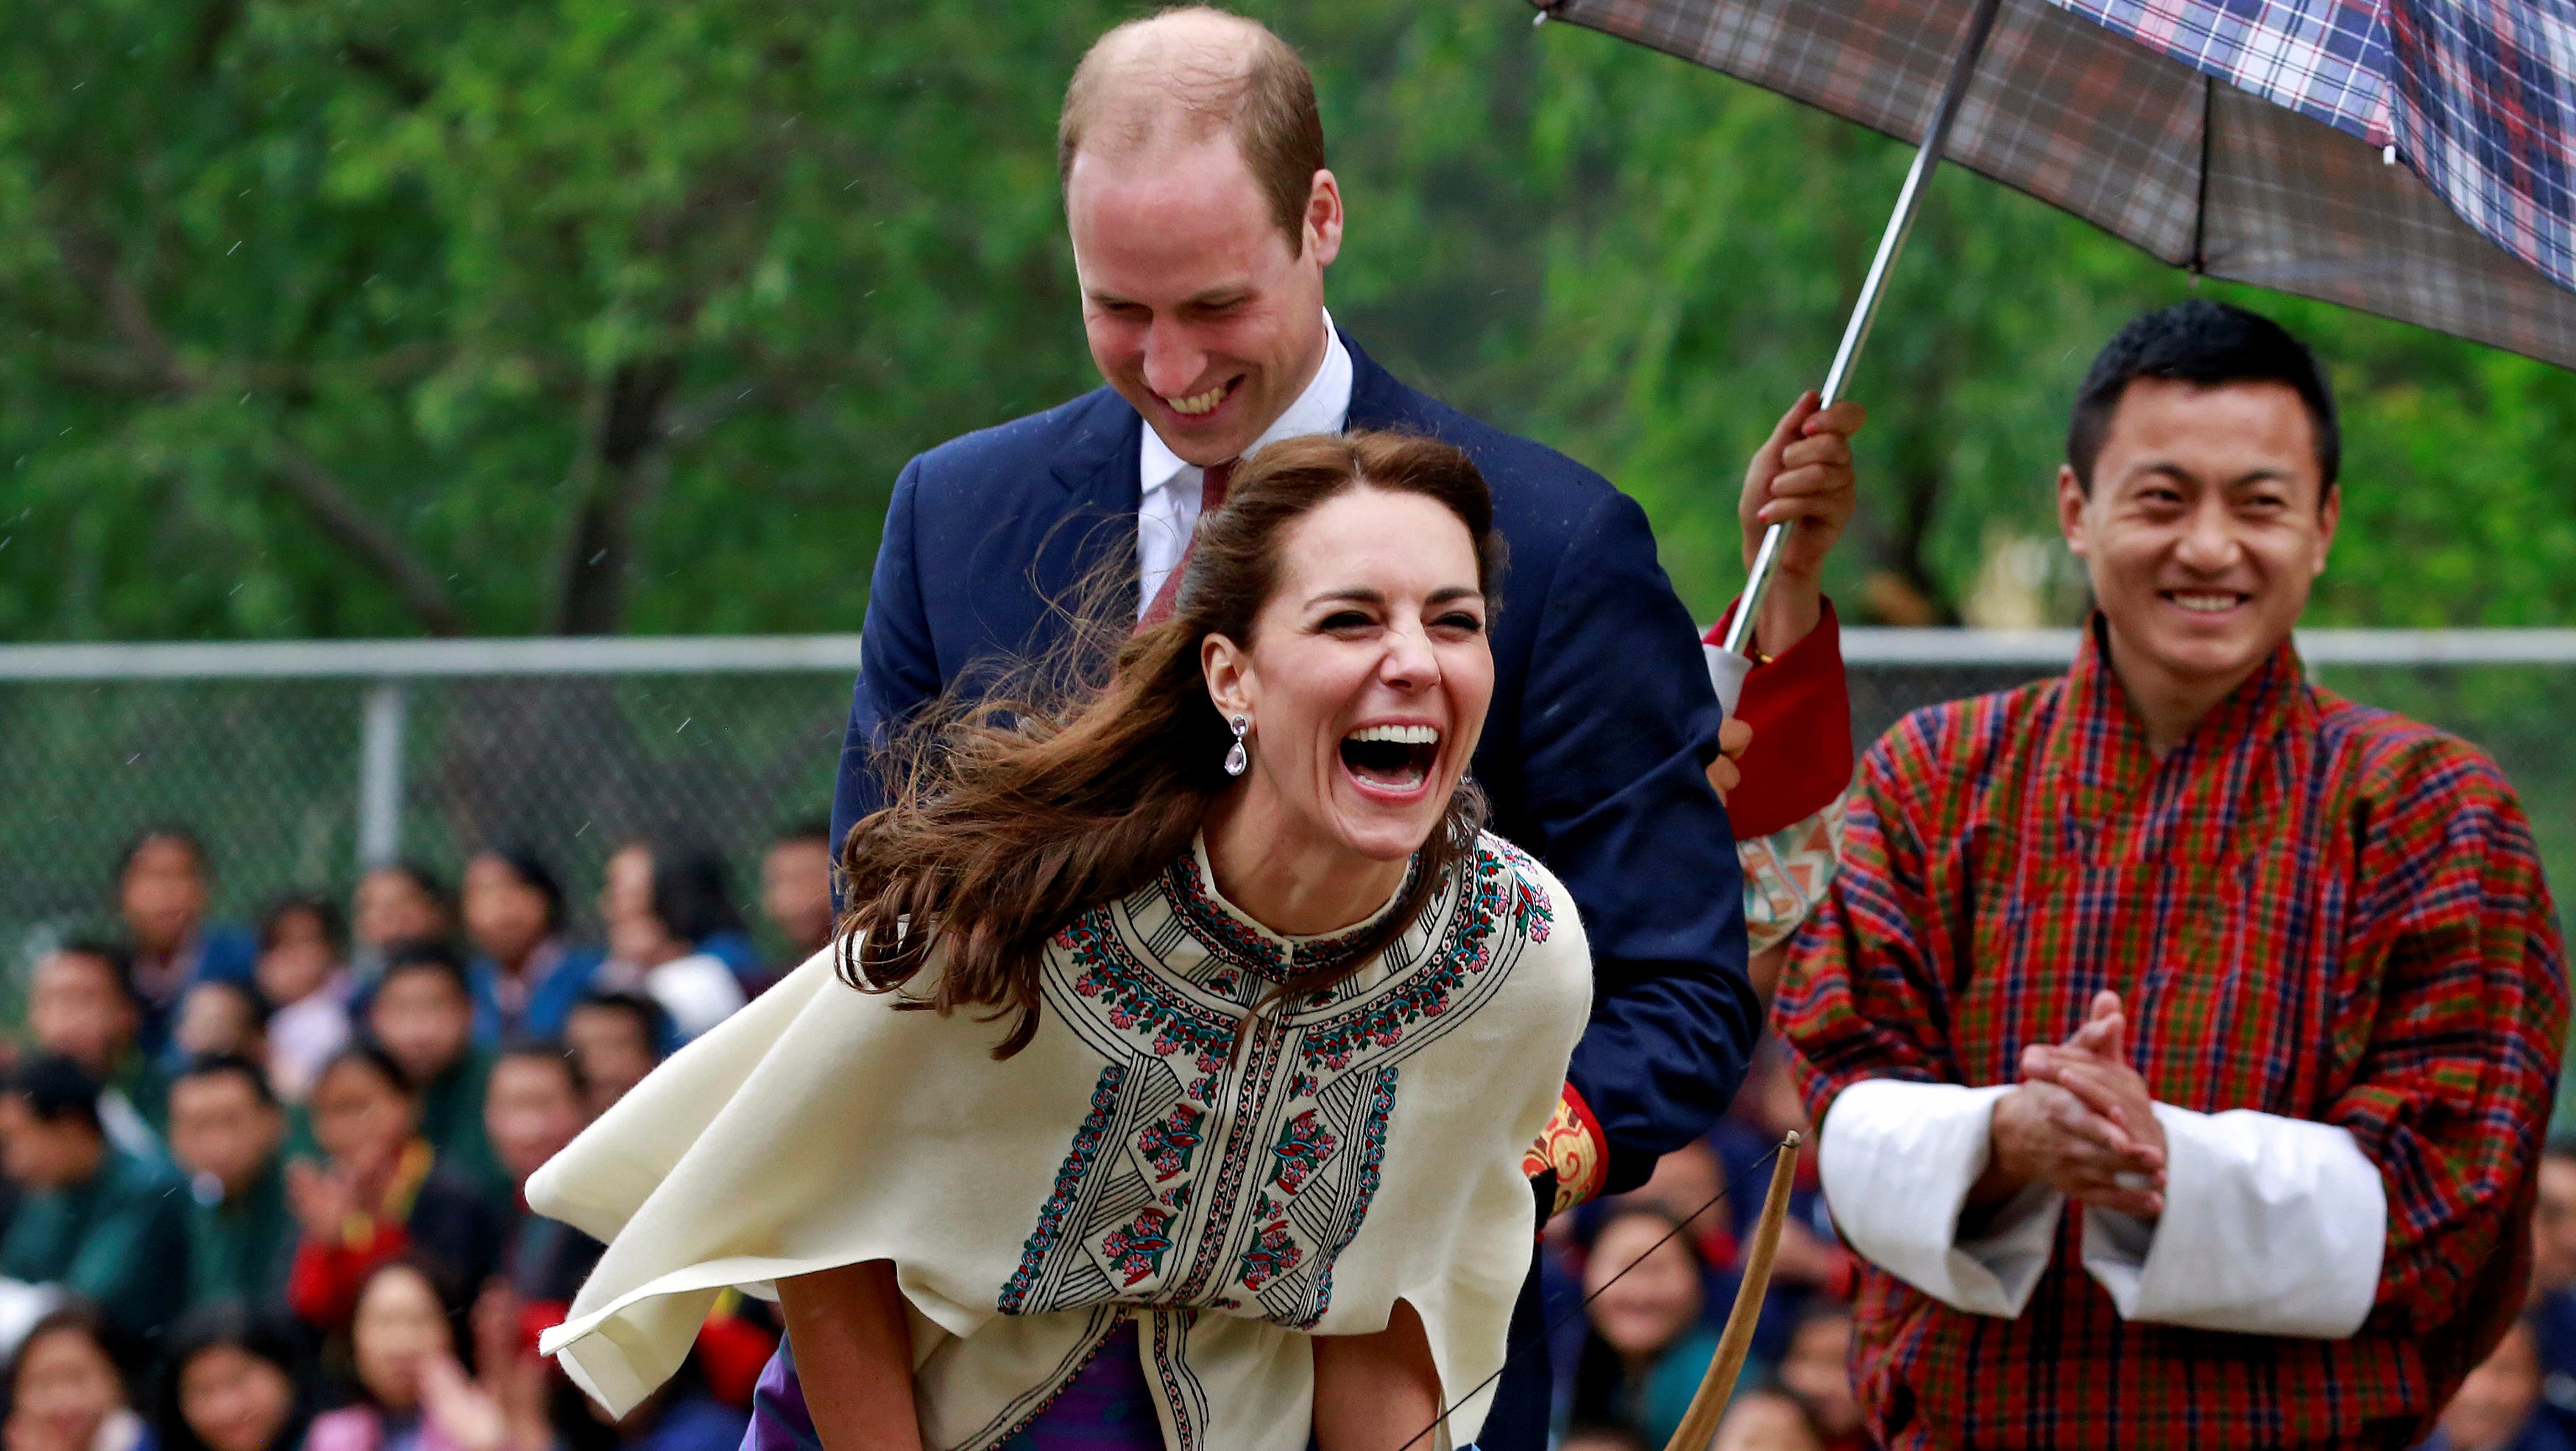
1233	941
1166	1359
1228	1142
1068	1185
1080	1364
1242	1146
1493	890
1336	950
1532	913
1364	1191
1136	998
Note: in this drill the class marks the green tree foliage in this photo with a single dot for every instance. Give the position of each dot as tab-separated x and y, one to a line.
376	317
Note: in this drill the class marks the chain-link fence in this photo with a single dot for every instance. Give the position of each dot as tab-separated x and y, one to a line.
295	763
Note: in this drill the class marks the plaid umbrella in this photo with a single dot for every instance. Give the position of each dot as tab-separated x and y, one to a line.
2410	158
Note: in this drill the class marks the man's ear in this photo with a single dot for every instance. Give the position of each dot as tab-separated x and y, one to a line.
1324	218
2070	509
1230	681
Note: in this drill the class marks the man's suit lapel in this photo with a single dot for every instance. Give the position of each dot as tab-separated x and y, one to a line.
1098	470
1378	400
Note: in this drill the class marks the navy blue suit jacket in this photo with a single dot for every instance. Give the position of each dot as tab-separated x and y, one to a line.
1594	753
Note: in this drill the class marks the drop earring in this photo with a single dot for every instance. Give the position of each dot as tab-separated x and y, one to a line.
1236	758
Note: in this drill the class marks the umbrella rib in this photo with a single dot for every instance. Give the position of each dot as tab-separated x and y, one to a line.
2200	204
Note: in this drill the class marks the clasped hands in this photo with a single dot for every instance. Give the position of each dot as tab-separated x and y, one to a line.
2081	1121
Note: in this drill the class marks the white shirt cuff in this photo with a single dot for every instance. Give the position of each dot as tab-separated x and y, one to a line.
1898	1160
2272	1226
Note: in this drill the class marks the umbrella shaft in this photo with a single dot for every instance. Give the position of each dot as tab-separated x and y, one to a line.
1927	158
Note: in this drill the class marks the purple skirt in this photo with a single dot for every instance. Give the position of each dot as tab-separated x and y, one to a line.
1107	1406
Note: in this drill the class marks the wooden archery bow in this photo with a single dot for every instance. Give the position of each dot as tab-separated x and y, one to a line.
1699	1424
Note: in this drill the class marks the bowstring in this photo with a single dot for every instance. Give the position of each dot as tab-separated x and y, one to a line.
1549	1329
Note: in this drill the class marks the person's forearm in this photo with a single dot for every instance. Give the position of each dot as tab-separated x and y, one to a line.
1790	610
854	1356
1376	1392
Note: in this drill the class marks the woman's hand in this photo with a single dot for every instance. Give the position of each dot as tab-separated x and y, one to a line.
854	1356
1377	1392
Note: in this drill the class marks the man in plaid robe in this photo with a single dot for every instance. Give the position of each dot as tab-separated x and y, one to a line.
2182	1034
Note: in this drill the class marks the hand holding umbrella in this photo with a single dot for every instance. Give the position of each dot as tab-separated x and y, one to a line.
1801	480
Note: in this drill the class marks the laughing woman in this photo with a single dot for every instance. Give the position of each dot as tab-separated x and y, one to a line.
1229	1030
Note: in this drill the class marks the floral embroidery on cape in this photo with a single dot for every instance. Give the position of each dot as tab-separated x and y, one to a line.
1227	1176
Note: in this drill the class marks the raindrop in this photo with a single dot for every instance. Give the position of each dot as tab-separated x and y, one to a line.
235	247
683	725
596	558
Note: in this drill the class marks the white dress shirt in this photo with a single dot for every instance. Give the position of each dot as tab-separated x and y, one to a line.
2272	1225
1169	507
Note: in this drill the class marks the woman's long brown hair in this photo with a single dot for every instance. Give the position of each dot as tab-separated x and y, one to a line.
1015	812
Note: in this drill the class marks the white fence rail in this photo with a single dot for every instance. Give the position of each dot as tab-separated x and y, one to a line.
779	654
433	659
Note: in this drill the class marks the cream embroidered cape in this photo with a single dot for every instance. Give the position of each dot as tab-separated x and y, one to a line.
1362	1148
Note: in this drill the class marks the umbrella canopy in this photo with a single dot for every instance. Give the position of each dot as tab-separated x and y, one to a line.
2410	158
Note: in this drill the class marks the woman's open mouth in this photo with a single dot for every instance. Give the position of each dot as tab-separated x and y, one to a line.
1394	760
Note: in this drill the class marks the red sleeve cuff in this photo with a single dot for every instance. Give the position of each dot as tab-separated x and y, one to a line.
1800	709
1574	1147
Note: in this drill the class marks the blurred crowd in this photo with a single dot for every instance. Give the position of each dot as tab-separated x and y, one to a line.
264	1184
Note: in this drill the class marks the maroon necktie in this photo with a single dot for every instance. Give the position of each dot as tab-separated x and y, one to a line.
1212	481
